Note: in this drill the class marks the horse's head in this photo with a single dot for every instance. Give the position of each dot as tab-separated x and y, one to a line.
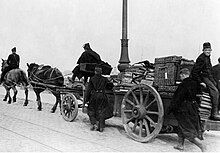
4	64
31	68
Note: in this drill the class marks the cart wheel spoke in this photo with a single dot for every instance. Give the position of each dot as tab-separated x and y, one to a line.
152	112
146	126
130	102
128	111
135	125
146	98
140	128
129	120
135	97
141	96
151	121
150	103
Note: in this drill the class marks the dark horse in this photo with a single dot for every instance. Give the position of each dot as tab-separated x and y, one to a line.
11	79
44	77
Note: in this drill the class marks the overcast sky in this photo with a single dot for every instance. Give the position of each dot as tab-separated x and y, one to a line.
54	31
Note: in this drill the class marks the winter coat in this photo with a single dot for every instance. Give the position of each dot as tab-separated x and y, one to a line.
202	68
97	98
185	109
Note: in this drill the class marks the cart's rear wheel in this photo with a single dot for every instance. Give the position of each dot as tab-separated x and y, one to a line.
69	107
142	113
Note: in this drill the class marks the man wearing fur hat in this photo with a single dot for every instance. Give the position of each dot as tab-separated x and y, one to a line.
202	73
88	56
12	61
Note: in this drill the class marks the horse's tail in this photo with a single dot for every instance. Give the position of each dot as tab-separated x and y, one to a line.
24	78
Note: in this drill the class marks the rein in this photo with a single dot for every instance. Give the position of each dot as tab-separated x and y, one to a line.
32	75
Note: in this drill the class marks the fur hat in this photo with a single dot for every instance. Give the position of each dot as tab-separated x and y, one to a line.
206	45
185	71
13	49
86	46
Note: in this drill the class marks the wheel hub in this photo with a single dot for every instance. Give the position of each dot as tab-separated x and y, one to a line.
139	111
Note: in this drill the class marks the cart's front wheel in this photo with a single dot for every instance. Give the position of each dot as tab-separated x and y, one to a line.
69	107
142	113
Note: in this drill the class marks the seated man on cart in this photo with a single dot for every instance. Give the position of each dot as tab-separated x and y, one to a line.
88	56
202	73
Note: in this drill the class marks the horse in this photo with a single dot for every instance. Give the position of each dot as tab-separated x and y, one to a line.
11	79
44	77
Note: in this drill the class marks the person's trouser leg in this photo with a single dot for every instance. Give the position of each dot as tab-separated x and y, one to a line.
214	97
4	72
92	116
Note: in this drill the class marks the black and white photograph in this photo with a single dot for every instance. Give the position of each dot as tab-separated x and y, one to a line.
110	76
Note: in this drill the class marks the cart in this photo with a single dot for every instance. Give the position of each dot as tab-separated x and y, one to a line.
143	107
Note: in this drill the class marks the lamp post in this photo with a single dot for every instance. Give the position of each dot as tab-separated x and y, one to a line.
124	59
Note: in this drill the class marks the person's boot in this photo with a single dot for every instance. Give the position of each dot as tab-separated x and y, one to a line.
197	142
215	114
180	145
94	127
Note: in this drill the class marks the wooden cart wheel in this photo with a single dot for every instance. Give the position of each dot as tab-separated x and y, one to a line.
142	113
69	107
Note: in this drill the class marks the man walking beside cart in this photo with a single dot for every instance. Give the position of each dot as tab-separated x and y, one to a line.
202	73
185	109
99	108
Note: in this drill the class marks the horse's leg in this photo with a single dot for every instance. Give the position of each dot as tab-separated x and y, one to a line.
58	100
15	93
26	95
37	92
9	96
6	94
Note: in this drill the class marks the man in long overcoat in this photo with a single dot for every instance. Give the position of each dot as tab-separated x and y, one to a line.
99	108
88	56
185	109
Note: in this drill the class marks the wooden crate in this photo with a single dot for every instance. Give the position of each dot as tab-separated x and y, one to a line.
165	74
167	69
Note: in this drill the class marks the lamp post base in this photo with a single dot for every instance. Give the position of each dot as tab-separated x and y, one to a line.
123	66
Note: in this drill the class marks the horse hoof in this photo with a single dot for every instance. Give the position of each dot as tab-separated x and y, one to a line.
14	101
9	102
39	109
4	99
25	103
